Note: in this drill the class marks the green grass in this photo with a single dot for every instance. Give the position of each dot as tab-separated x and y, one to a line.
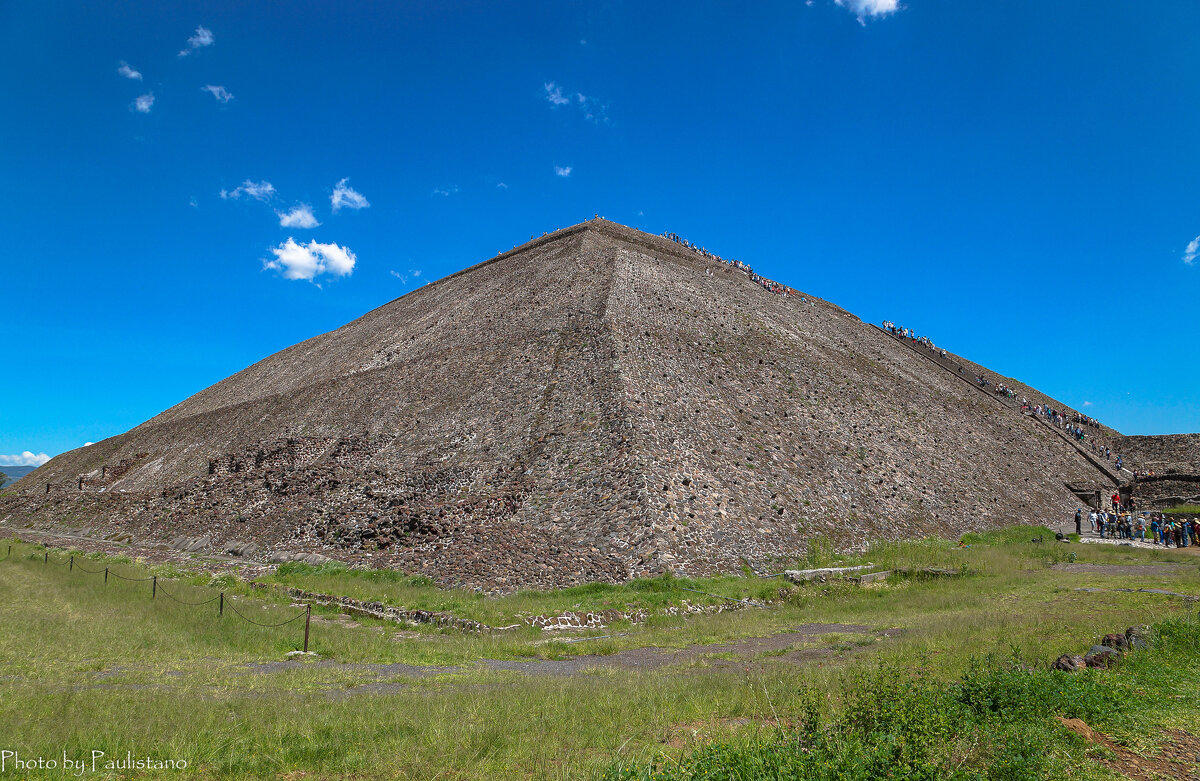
86	666
996	721
1190	509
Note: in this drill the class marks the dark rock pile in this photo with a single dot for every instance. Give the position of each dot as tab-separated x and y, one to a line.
1108	652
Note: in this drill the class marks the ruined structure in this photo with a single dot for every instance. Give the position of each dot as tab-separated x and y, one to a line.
596	404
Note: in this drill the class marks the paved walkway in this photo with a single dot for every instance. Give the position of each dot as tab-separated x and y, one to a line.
1088	536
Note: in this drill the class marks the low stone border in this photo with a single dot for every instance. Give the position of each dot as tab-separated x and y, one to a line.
357	607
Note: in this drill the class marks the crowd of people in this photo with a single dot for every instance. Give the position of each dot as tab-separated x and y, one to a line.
1073	424
1156	527
770	285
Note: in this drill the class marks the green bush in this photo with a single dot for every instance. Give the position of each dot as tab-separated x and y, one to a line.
899	722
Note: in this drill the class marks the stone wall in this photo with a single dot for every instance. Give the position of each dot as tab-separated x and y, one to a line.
1163	454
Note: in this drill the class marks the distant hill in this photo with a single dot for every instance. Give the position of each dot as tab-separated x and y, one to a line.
14	473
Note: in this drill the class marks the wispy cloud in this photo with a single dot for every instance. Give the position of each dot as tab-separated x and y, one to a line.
201	38
309	261
1087	404
128	72
554	94
217	91
300	216
143	103
413	274
346	197
25	458
1192	251
562	170
593	109
259	191
451	190
501	185
870	9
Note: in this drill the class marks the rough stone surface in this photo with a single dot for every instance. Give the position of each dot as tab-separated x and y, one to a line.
592	406
1069	663
1138	636
1117	641
1102	656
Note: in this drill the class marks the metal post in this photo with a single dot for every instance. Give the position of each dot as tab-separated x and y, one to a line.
307	618
154	587
221	605
106	575
46	560
71	567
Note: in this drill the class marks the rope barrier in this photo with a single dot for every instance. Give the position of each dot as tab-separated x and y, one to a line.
256	623
184	602
70	562
136	580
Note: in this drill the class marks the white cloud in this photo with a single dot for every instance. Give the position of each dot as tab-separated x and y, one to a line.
202	37
1087	404
870	9
555	95
412	273
345	196
144	103
501	185
1192	251
562	170
300	216
259	191
307	261
25	458
88	444
128	72
217	91
451	190
593	109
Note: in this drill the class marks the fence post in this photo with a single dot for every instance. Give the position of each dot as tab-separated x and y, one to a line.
307	618
46	560
71	566
221	605
154	587
106	575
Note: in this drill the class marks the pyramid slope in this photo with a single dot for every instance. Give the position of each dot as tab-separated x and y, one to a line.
595	405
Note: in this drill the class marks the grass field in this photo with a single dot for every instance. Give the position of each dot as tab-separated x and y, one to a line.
88	667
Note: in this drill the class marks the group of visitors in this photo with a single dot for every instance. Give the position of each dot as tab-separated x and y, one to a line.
1128	525
1072	423
900	332
770	285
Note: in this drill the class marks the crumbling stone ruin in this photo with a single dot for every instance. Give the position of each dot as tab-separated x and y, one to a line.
594	405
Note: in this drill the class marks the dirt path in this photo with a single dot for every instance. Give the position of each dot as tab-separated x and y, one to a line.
735	654
1127	569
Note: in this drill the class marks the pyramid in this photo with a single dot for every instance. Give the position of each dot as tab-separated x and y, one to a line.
595	405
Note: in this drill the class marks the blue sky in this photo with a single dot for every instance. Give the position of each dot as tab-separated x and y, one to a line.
1015	179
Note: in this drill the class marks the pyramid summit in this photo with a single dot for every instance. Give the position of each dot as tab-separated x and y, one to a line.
594	405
